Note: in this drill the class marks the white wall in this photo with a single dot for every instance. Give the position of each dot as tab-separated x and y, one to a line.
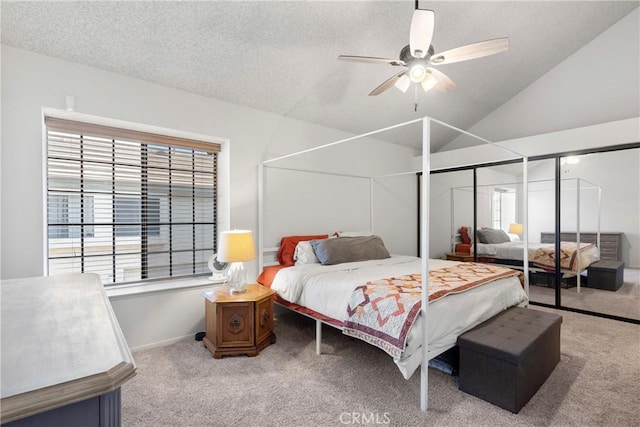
308	194
326	201
599	83
385	205
397	196
31	82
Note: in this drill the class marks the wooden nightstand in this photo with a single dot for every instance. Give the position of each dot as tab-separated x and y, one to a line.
240	323
459	256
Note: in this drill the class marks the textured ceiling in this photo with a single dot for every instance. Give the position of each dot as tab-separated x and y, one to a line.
281	56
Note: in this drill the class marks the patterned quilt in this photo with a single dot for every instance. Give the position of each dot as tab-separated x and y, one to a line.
545	257
381	312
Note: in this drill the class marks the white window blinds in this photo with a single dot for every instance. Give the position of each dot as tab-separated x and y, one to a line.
128	205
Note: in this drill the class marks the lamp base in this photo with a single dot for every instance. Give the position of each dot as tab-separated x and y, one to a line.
237	278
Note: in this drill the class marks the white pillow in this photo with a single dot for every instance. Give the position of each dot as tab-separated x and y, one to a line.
513	237
304	254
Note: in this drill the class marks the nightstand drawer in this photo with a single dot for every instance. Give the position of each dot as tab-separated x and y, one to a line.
236	325
609	244
609	249
264	319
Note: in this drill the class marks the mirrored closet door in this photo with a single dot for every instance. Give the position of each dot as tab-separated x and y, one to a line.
540	229
600	206
582	224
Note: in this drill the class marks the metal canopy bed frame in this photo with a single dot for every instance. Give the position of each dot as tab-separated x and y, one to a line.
424	219
580	185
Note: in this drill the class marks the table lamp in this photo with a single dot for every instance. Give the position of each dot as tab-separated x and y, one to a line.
236	247
515	228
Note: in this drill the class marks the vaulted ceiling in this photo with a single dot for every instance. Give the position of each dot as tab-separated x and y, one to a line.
281	57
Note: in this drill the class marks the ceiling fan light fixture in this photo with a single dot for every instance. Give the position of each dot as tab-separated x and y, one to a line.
417	73
429	83
420	59
403	83
570	160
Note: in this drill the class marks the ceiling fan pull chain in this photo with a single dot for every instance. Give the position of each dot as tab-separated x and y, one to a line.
415	98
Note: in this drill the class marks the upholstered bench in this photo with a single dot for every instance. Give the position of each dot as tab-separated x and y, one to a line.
606	274
506	359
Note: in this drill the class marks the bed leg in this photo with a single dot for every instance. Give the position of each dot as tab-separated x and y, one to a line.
318	336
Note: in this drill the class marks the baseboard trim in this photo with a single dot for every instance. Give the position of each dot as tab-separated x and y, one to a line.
163	343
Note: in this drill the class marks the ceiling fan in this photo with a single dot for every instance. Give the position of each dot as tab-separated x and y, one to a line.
419	59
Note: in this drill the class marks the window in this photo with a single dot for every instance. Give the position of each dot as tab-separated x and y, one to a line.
128	205
503	208
497	209
67	215
128	213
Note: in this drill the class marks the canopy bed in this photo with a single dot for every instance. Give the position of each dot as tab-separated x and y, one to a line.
306	288
334	292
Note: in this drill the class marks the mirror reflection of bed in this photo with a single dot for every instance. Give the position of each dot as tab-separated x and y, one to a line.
591	200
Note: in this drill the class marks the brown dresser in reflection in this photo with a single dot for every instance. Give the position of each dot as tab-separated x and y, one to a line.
610	243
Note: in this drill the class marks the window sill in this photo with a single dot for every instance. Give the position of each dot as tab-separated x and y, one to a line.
133	289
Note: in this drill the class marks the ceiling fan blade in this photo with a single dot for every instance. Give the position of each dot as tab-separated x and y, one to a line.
370	60
445	84
421	32
387	84
471	51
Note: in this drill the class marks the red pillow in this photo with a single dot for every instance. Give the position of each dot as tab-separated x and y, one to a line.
268	274
464	235
288	247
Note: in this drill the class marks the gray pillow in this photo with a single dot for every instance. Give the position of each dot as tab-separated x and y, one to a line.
349	249
490	235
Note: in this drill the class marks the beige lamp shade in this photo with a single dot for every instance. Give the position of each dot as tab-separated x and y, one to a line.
236	246
516	228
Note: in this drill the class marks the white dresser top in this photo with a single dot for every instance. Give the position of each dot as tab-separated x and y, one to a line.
61	343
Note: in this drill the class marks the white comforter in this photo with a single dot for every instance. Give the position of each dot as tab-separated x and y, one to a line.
515	251
326	289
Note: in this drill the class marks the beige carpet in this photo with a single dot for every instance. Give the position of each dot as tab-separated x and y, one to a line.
597	383
625	302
